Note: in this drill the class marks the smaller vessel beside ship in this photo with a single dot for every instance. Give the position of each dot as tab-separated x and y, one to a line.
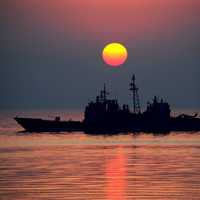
106	116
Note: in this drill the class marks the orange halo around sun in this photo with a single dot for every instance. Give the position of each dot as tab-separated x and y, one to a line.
114	54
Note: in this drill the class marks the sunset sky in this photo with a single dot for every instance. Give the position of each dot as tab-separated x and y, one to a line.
51	51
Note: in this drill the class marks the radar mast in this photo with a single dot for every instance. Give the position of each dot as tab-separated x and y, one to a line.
104	94
136	101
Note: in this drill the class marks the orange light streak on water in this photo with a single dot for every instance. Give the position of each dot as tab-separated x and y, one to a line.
116	176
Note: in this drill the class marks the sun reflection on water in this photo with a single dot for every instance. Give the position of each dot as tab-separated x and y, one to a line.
116	171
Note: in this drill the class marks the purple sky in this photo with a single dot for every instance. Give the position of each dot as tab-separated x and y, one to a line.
51	51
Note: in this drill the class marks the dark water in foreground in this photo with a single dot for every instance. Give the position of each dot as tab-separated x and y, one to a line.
79	167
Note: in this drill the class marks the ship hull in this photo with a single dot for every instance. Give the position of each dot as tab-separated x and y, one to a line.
40	125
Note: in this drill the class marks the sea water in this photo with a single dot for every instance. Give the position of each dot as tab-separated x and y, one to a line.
77	166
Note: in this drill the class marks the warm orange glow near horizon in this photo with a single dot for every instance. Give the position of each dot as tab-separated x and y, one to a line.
114	54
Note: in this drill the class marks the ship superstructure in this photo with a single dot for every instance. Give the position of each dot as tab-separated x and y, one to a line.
106	114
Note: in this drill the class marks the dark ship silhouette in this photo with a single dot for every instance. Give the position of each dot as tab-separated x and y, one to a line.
106	116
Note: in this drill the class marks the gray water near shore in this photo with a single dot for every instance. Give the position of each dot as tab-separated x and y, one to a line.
76	166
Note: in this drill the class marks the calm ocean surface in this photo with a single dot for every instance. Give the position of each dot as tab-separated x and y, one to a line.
76	166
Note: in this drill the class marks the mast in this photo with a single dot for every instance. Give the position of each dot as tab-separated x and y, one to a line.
136	101
104	94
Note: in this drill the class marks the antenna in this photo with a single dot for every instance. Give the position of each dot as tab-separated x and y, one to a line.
136	101
104	93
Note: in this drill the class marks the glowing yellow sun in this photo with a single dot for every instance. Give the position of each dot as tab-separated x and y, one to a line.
114	54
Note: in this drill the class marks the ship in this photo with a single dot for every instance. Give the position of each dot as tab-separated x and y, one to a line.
107	116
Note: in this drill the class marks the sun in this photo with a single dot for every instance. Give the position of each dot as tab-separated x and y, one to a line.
114	54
